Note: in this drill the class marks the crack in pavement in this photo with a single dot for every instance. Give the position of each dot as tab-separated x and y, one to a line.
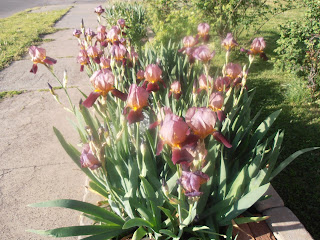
33	166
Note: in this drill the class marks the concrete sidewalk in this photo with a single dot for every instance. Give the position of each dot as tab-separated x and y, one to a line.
33	165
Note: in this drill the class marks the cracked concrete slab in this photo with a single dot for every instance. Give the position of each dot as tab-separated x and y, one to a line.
33	165
27	137
18	77
15	195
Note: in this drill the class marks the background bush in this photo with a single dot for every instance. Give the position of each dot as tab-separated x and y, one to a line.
135	16
172	20
175	18
299	45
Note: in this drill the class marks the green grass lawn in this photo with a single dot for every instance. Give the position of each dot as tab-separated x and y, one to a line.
22	30
298	184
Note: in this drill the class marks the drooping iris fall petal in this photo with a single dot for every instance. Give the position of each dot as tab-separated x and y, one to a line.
90	100
220	138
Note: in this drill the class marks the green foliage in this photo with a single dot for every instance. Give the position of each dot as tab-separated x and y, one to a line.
24	29
130	178
172	20
135	16
236	16
299	45
176	18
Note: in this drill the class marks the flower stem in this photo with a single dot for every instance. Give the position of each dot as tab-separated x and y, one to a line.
65	90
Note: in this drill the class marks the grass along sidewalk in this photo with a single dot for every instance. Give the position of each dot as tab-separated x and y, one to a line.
24	29
298	184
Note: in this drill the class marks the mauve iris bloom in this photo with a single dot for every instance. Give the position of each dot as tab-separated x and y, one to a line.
83	61
201	120
191	182
116	29
216	102
102	81
257	46
122	22
77	33
99	10
189	41
203	53
222	83
140	75
203	31
104	62
152	75
132	56
188	47
87	158
118	52
229	42
112	35
137	99
173	131
38	55
175	88
94	53
90	34
204	84
233	70
101	29
101	36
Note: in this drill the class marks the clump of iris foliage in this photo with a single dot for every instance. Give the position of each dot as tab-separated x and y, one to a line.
172	142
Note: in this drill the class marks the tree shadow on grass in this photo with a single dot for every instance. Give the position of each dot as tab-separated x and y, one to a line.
298	184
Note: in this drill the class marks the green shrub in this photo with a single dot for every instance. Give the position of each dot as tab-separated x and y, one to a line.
135	16
171	20
299	46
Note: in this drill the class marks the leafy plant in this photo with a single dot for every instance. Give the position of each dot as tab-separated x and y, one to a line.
178	163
